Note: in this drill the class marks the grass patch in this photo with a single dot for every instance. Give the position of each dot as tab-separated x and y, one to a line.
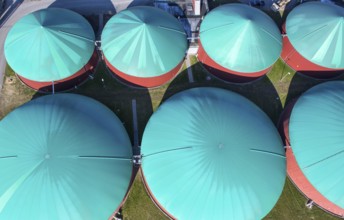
14	93
291	205
139	205
157	94
280	76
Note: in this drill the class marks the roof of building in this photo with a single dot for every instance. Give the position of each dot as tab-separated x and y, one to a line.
316	31
49	45
209	149
144	41
241	38
316	136
63	156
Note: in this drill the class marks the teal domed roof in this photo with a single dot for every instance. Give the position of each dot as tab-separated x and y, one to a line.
63	156
49	45
316	31
210	153
316	130
241	38
144	42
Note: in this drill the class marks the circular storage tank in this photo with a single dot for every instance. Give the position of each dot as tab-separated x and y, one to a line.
238	43
314	42
144	46
207	149
315	158
63	156
51	46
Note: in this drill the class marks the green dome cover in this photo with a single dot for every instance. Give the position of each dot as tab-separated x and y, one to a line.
210	153
241	38
49	44
316	31
63	157
316	133
144	41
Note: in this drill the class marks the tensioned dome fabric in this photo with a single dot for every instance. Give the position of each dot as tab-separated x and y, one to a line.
241	38
316	31
316	135
65	157
210	153
49	45
144	41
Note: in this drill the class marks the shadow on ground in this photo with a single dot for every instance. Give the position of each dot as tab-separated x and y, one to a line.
141	3
301	83
96	14
119	98
261	91
92	7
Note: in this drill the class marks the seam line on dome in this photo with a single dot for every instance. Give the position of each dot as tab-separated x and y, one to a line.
165	151
312	32
171	29
5	157
105	157
268	33
75	35
217	27
319	161
268	152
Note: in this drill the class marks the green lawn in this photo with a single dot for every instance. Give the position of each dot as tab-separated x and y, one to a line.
270	93
139	205
291	206
14	93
